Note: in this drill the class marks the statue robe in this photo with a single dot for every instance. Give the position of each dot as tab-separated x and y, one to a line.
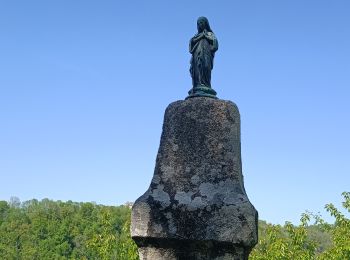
203	52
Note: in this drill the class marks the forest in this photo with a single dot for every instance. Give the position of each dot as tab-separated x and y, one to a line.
59	230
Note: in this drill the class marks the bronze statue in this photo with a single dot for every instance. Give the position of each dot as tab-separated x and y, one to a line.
202	47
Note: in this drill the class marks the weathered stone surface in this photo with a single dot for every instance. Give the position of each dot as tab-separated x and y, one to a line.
196	206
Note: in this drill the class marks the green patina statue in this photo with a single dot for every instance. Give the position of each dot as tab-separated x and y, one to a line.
202	47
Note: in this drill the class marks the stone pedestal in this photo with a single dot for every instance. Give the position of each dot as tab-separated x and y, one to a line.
196	206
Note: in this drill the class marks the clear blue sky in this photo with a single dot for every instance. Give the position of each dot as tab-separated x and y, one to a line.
84	86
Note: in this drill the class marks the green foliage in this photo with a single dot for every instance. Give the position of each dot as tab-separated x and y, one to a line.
304	242
64	230
288	242
340	232
40	230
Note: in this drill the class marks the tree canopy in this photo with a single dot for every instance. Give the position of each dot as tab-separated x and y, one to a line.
64	230
46	229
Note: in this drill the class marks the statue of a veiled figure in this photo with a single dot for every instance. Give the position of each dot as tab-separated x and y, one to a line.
202	47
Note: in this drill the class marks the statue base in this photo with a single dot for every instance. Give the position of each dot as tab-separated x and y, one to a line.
202	91
192	250
196	207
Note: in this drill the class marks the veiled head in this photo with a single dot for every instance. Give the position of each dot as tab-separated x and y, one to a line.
203	24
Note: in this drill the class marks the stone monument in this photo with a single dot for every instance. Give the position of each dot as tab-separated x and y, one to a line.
196	206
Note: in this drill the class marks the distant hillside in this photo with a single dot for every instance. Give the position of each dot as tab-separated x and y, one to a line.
315	233
69	230
321	240
64	230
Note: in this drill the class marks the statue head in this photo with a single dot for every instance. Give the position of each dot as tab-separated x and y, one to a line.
203	24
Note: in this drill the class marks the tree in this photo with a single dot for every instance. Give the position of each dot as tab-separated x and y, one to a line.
294	242
288	242
340	232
